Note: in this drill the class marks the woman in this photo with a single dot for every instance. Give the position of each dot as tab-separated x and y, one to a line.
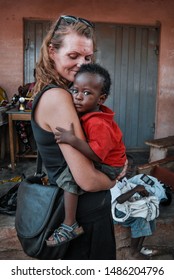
68	44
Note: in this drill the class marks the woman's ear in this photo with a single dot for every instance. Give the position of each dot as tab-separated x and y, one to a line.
102	99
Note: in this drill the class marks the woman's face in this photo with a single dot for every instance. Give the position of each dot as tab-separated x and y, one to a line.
75	51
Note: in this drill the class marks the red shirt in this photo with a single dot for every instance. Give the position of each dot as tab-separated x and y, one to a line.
104	136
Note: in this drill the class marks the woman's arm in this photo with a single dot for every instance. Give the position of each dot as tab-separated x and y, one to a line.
56	108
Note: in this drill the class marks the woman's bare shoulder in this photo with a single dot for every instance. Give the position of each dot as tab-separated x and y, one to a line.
55	94
57	109
56	99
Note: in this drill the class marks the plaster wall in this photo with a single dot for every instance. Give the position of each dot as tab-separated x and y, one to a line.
140	12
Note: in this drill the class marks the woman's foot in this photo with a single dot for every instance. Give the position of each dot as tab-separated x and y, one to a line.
64	234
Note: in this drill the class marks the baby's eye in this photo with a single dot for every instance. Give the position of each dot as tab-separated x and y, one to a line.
86	92
73	90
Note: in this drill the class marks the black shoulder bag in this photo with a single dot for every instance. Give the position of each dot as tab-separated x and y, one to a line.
40	210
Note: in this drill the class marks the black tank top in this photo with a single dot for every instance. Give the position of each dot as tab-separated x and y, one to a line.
51	155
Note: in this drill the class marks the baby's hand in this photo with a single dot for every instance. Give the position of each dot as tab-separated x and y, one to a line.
63	135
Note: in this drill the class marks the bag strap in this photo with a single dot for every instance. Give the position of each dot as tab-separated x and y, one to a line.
39	174
38	163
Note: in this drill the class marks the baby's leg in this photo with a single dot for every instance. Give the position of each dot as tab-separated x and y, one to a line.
70	204
69	229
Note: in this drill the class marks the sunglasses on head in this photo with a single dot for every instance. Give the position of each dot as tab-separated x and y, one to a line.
72	19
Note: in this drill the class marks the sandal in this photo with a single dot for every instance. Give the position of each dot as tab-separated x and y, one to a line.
64	234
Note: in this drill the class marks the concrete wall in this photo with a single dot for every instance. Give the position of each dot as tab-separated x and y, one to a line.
140	12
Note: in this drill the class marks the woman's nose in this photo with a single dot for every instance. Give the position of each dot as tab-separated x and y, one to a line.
81	61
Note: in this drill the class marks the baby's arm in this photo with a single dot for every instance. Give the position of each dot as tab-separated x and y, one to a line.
68	137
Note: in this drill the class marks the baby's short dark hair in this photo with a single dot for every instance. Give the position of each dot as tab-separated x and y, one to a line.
95	68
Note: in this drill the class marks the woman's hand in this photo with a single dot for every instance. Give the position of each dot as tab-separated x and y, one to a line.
123	173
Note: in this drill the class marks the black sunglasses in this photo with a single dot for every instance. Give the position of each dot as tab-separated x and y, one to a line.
72	19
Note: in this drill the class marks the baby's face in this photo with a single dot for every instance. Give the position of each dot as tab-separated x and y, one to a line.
86	92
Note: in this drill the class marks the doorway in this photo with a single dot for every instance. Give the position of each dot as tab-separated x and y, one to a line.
130	53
